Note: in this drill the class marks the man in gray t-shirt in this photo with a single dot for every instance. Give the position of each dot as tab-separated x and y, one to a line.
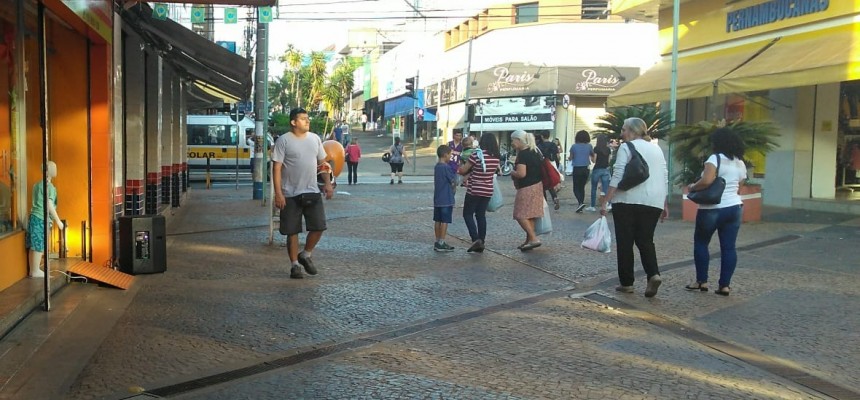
298	156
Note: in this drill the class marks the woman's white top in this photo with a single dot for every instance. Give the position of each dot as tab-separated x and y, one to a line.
652	192
733	171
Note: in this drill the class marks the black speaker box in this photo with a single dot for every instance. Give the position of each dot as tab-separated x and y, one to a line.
142	244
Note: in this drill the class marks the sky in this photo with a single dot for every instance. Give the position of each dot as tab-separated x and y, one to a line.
316	24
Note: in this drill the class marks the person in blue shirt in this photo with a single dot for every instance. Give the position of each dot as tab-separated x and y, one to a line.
580	154
444	182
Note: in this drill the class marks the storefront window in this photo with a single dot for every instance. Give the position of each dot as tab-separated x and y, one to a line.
848	145
7	35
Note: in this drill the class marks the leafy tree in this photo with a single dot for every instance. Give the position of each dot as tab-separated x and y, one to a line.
657	121
692	144
293	58
317	78
279	90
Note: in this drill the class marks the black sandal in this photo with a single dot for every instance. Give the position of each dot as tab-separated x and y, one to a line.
723	291
700	286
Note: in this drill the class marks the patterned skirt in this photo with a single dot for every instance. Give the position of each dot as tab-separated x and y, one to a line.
35	239
529	202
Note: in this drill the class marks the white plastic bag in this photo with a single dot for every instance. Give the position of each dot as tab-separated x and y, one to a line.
543	225
568	168
496	201
598	237
561	173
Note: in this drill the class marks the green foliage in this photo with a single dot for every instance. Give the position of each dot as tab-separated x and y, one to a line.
280	123
692	145
657	121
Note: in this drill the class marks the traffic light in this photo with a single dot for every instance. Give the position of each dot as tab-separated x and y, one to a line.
410	87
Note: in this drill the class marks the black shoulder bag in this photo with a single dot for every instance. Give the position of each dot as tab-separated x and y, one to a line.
712	194
636	170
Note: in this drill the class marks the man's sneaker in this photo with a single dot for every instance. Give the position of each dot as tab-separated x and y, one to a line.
653	284
580	208
392	182
444	247
296	272
609	207
307	263
591	209
624	289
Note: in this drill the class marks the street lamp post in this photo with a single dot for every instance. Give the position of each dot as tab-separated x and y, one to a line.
673	85
468	85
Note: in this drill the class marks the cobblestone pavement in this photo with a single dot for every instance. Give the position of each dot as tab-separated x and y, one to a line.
389	318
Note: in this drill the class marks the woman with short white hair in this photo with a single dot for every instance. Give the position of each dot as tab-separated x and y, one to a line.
637	209
527	176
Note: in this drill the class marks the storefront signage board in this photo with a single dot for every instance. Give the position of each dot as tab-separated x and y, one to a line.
712	19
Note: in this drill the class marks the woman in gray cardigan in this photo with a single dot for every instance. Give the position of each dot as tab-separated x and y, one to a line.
637	210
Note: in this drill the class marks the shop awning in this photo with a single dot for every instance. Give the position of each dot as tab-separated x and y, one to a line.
822	56
192	55
697	75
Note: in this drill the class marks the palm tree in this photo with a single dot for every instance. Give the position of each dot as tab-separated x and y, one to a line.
279	92
293	58
693	144
342	80
317	77
657	121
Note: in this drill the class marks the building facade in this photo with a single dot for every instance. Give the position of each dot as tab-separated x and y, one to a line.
796	64
102	92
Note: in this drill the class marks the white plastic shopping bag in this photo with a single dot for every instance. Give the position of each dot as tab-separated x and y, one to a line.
598	237
561	173
496	200
543	225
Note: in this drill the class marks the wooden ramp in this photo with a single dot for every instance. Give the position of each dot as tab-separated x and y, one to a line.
104	275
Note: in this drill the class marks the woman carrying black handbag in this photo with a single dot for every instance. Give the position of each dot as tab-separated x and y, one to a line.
723	217
637	192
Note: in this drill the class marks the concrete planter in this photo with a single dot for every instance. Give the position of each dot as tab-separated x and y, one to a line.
750	194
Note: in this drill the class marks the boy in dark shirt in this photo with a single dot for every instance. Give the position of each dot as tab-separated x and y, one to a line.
444	182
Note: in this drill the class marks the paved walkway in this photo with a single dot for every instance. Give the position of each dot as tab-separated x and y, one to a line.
389	318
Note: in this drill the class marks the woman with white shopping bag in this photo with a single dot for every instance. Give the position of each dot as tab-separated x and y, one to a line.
481	168
637	208
528	179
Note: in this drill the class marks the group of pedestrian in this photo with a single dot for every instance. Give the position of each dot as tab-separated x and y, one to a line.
299	156
479	170
637	210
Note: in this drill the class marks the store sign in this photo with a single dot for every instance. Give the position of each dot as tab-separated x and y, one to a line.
772	11
594	81
513	79
448	91
97	14
431	95
511	119
511	113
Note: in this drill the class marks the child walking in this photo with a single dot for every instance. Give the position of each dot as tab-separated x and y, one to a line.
444	182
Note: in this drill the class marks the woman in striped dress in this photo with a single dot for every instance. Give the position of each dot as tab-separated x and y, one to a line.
481	166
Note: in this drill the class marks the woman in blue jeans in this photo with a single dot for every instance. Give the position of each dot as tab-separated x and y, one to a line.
723	218
580	156
600	171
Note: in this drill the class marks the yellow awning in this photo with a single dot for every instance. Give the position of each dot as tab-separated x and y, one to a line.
697	75
216	92
821	56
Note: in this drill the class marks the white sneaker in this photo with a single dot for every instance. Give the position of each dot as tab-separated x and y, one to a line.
609	207
591	209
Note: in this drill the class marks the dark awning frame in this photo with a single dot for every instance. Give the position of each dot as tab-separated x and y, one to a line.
192	55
